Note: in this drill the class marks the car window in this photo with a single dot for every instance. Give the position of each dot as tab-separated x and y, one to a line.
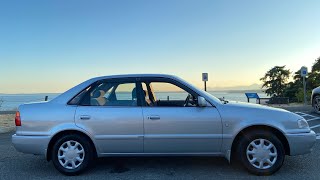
125	92
76	100
113	94
166	94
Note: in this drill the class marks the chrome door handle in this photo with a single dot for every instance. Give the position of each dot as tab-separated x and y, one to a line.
85	117
154	117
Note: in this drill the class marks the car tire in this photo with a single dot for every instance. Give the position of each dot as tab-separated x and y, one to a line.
72	154
316	104
253	150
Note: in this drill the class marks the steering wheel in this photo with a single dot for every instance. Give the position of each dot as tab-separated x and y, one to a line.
186	102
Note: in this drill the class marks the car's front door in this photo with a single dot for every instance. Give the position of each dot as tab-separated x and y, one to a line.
174	123
110	111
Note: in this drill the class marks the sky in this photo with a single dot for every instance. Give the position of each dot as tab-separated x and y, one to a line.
51	46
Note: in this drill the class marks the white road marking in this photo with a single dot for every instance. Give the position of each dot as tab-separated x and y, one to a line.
312	127
312	119
305	115
301	114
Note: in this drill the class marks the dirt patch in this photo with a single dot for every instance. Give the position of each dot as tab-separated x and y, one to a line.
7	123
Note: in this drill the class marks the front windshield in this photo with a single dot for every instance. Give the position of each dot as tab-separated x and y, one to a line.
213	97
202	91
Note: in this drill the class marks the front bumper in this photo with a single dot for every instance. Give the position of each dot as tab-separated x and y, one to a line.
301	143
31	144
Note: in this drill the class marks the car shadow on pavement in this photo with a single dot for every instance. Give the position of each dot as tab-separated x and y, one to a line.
170	166
157	168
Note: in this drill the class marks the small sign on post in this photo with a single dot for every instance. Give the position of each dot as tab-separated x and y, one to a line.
205	79
304	73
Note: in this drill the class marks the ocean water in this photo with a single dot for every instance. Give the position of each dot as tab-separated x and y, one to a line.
12	101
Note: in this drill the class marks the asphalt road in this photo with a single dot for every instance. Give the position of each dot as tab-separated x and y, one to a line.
15	165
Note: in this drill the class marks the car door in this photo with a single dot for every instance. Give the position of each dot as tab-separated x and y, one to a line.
111	112
172	125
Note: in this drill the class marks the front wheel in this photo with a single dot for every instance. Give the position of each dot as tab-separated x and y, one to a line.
261	152
72	154
316	104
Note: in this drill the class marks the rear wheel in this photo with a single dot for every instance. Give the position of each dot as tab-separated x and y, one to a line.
72	154
261	152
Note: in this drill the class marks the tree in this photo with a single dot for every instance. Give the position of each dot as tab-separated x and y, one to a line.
314	76
291	91
294	87
275	80
316	66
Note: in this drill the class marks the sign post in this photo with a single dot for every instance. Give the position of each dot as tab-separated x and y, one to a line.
304	73
205	79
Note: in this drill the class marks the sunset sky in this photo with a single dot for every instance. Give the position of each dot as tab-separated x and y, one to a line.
50	46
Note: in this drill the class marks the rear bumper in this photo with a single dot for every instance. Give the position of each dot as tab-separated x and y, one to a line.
31	144
301	143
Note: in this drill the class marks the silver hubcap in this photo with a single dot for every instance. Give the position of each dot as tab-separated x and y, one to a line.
316	104
262	154
71	154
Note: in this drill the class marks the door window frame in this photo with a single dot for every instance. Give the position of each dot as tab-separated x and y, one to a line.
92	86
162	80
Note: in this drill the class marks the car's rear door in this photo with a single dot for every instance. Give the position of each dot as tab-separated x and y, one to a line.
172	125
111	112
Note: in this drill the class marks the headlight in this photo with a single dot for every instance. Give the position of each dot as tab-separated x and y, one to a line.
302	123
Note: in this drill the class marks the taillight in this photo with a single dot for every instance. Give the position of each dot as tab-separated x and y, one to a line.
17	119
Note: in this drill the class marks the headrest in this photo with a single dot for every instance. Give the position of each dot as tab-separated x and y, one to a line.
98	93
134	93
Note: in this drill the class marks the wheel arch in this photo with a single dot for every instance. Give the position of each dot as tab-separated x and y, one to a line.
66	132
274	130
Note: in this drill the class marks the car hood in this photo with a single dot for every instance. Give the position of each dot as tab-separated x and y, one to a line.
235	104
248	111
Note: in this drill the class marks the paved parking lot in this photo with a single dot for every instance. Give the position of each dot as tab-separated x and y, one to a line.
15	165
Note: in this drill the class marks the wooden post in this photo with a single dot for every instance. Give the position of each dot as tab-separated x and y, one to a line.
46	98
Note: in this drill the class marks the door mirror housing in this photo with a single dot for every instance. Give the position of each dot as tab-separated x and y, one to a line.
202	101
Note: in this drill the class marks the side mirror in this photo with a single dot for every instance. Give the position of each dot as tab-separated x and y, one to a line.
202	101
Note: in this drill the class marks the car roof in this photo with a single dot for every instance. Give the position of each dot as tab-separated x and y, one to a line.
136	76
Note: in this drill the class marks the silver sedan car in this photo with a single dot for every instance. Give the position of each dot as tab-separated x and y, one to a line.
153	115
